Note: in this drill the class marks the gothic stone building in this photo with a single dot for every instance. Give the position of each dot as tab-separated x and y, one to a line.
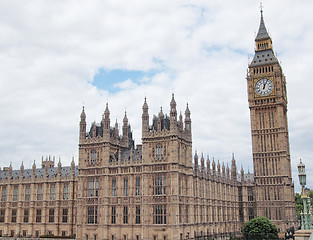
156	190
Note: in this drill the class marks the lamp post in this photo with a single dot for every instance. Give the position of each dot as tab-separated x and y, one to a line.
306	215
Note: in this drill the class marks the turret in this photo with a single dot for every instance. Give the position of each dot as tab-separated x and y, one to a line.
145	118
218	168
187	121
202	163
208	167
59	167
196	162
10	171
106	122
213	167
233	169
82	125
227	172
180	123
160	119
22	170
34	170
173	114
125	130
116	131
73	167
223	170
242	175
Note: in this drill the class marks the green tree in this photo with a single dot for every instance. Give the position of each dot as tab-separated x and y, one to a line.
260	228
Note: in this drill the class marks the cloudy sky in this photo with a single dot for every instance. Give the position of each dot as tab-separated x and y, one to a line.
56	56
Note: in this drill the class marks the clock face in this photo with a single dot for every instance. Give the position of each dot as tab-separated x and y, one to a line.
264	87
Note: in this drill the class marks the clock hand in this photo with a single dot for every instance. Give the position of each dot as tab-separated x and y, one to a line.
265	84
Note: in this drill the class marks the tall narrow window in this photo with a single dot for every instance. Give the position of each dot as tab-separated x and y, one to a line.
93	187
114	186
113	215
26	215
64	215
13	217
137	214
39	192
27	193
38	215
125	215
93	156
92	213
4	194
65	192
159	214
137	186
2	215
15	194
125	186
159	151
159	185
51	215
52	192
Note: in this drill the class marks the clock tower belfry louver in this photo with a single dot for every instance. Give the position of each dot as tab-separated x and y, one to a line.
269	129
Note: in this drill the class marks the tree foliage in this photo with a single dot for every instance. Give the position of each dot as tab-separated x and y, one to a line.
260	228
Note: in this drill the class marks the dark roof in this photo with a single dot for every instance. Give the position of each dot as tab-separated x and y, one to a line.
40	172
263	57
262	33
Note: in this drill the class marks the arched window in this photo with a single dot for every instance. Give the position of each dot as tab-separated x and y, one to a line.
159	151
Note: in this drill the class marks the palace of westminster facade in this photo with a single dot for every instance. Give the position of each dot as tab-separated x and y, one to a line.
158	190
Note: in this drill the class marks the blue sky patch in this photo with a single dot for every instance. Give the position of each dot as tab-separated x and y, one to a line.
107	79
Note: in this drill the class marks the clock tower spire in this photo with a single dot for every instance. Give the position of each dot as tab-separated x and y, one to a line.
269	129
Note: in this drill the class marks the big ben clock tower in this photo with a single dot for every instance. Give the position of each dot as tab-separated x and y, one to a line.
269	128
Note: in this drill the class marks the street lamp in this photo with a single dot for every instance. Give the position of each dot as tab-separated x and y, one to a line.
306	216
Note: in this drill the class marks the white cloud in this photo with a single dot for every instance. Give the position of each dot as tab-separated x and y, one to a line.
49	53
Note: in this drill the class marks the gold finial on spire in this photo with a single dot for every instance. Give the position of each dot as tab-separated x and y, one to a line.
261	7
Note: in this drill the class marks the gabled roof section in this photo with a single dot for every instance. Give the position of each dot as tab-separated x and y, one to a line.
262	33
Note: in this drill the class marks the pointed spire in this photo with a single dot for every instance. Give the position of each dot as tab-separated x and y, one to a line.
233	168
125	119
262	32
34	168
83	115
196	159
202	161
22	170
73	167
161	114
106	111
145	118
59	166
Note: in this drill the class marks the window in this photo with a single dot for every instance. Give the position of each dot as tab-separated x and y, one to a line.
125	215
125	186
92	213
114	186
137	214
113	215
24	233
39	193
250	194
13	217
12	233
65	192
159	214
27	193
159	151
159	185
63	233
51	215
64	215
2	215
4	194
137	186
38	215
52	192
93	156
15	194
37	234
93	187
26	215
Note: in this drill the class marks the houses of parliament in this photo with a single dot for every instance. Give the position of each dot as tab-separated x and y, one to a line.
160	189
